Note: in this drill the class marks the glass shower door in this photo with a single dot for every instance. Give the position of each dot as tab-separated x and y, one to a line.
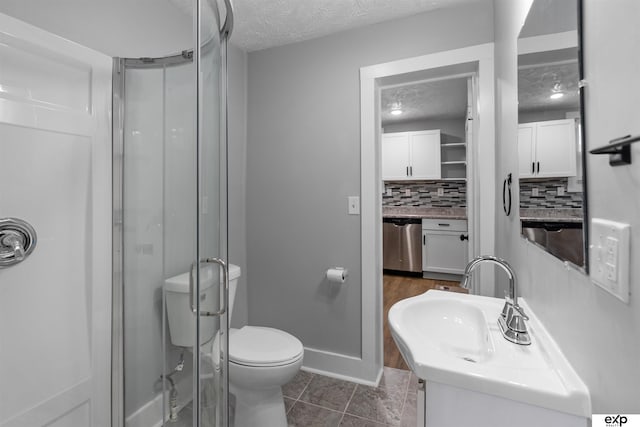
170	234
211	372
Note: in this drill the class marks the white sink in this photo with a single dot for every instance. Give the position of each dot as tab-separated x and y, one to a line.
454	339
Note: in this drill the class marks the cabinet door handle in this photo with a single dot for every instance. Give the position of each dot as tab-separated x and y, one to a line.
533	167
538	167
463	237
424	240
444	224
407	170
411	170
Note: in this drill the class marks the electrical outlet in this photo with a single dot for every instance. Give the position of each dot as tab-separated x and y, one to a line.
440	191
535	192
389	191
560	191
407	192
609	254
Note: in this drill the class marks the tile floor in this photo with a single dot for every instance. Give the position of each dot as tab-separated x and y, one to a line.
313	400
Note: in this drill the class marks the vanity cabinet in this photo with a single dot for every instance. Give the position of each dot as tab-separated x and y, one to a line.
410	156
547	149
445	246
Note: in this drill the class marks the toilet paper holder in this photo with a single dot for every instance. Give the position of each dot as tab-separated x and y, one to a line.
337	274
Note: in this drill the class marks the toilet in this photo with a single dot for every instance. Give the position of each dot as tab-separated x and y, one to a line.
261	359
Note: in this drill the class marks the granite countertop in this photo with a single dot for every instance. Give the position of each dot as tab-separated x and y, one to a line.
423	212
551	215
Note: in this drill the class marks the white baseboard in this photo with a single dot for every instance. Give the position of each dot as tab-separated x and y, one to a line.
150	414
341	366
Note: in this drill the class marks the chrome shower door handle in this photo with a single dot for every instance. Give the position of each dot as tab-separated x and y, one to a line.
225	284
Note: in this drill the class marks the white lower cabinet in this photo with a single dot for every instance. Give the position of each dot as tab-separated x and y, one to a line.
443	405
445	246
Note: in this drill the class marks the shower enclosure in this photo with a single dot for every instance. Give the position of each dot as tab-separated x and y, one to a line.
170	219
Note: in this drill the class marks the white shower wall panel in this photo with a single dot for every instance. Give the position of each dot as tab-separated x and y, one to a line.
55	100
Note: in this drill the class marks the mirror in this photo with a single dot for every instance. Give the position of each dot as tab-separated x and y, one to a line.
550	137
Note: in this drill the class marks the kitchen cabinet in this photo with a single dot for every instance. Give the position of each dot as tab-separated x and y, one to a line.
547	149
445	245
410	156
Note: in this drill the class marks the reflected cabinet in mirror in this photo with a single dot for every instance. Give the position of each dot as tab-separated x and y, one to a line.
550	136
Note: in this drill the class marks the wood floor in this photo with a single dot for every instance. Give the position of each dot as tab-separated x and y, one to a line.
396	288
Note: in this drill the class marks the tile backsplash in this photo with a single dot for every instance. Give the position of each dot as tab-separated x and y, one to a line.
425	193
548	197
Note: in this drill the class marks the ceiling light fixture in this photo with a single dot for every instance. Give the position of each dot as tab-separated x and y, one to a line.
396	108
557	91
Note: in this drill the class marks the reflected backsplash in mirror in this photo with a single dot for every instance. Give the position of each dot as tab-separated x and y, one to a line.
550	137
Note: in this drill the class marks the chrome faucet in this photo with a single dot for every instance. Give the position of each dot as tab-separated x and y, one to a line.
511	320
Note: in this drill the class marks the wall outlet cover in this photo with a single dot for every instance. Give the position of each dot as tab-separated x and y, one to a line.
560	191
609	256
535	192
440	191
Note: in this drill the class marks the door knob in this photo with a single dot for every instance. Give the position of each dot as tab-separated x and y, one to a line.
463	237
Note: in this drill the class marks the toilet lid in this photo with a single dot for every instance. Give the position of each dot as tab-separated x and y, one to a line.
260	346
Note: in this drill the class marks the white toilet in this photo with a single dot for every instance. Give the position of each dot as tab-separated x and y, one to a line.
261	359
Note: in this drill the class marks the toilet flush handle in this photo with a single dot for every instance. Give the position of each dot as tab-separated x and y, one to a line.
224	284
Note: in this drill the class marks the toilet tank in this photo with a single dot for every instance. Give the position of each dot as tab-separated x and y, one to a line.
181	319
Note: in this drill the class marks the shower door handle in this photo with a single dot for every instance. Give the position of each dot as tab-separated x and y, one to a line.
225	284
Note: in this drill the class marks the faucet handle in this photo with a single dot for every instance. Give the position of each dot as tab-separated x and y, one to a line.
520	311
14	241
515	319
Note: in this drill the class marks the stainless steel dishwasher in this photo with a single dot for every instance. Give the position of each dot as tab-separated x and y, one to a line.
402	244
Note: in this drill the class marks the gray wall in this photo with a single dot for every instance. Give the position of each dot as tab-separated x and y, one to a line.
605	344
303	160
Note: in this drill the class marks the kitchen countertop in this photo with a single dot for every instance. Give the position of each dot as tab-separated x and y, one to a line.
551	215
423	212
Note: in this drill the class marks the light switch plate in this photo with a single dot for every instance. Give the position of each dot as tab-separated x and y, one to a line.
354	205
535	192
609	256
440	191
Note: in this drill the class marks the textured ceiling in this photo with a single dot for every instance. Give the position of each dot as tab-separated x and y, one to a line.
134	28
441	99
535	85
260	24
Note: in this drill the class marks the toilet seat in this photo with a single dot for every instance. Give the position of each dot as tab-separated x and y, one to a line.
263	347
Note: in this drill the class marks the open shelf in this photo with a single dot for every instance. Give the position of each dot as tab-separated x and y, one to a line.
454	162
453	144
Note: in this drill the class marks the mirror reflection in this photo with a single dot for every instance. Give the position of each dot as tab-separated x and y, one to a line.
550	140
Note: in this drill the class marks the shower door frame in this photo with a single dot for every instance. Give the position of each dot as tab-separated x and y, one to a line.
117	324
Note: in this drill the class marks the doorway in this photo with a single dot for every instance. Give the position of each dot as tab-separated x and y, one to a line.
480	162
426	130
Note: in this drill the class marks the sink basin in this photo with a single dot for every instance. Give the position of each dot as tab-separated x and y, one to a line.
449	327
454	339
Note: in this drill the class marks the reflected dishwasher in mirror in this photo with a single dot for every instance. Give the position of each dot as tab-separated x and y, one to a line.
550	131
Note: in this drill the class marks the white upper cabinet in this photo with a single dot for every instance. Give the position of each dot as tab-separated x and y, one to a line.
547	149
395	156
411	155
